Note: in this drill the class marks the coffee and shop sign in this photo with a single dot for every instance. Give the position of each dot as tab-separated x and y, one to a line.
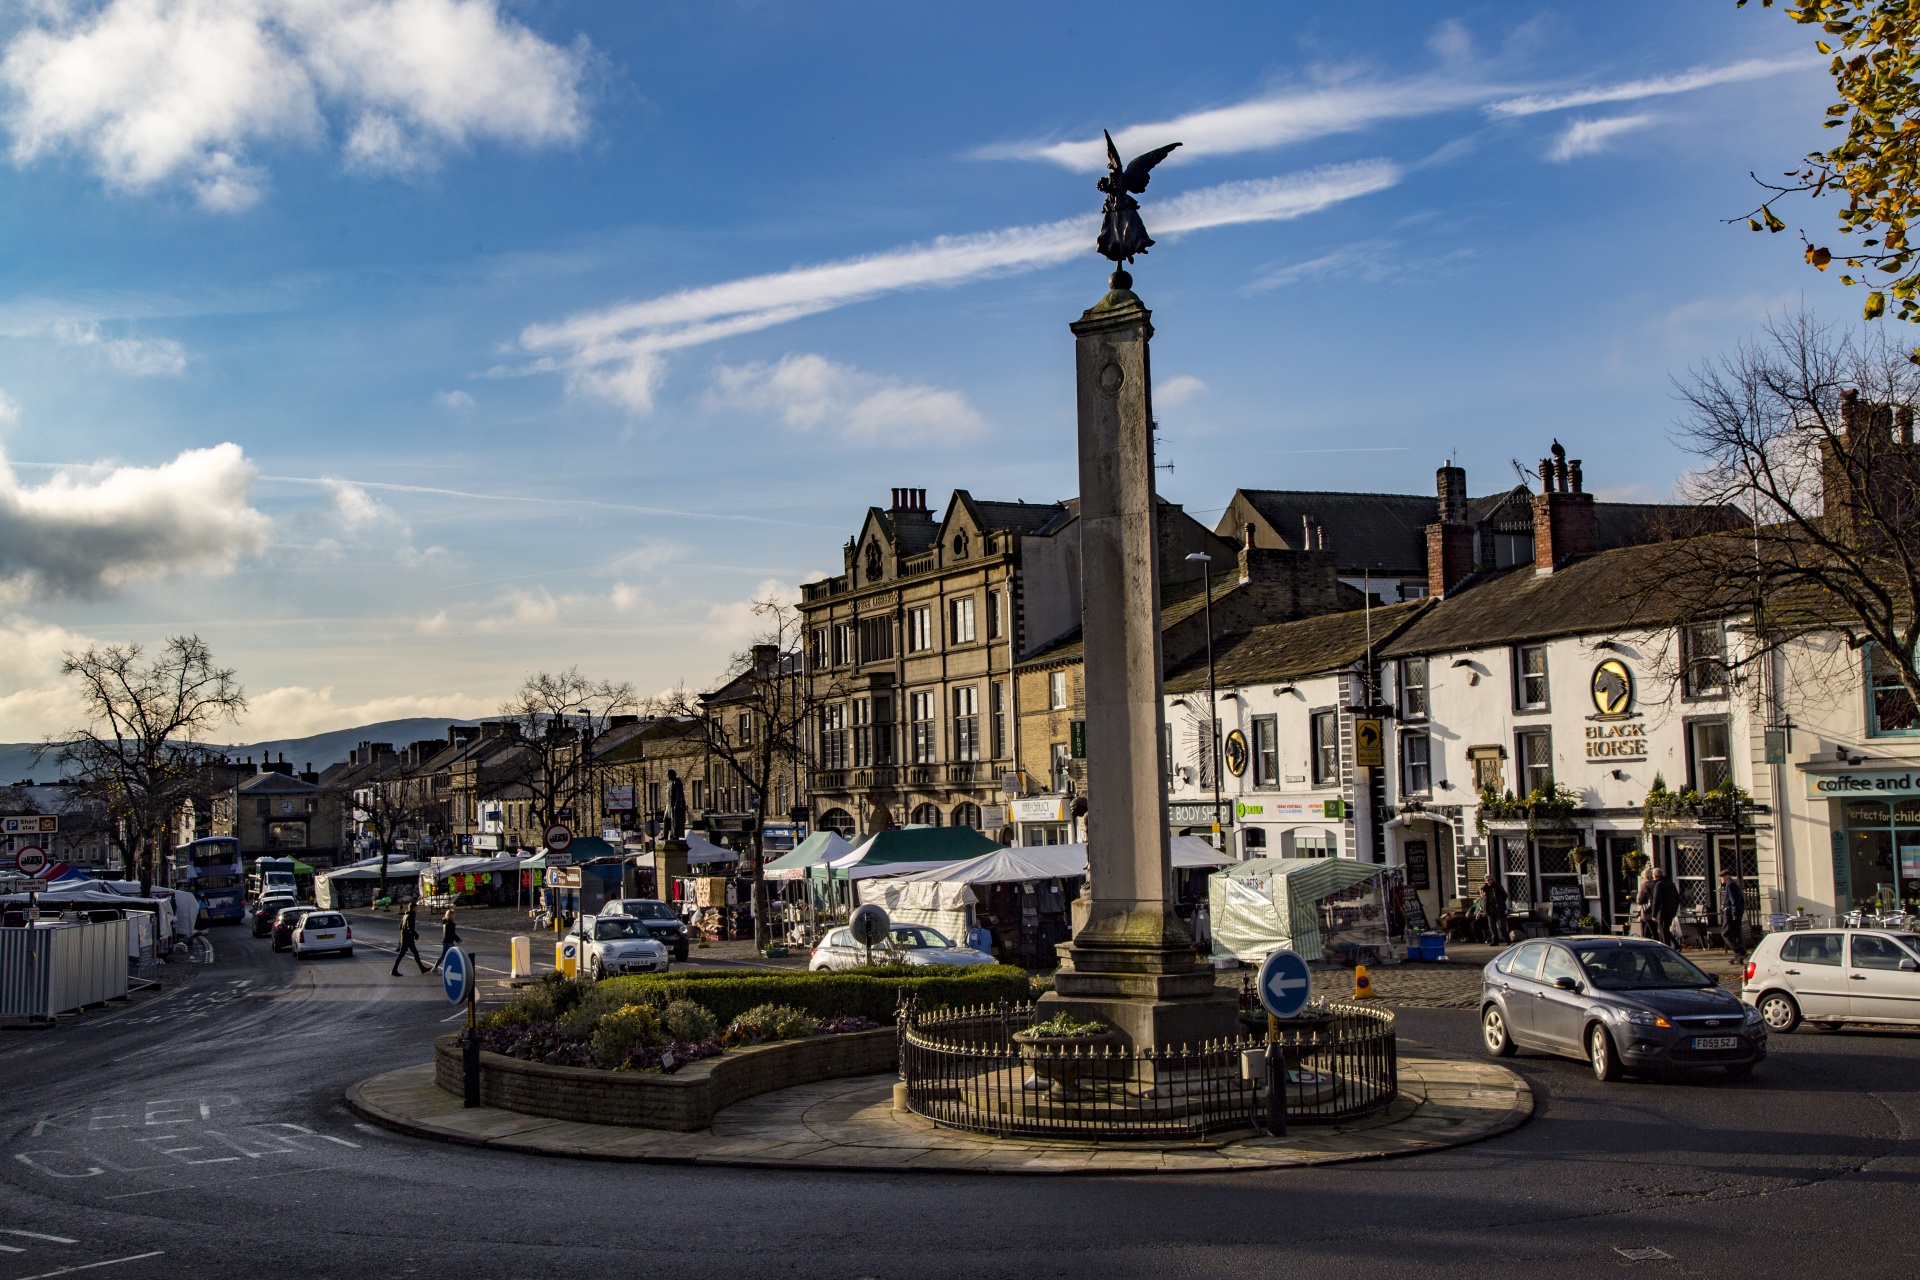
1616	731
1892	783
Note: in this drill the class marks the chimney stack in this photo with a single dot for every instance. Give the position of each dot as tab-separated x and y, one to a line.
1246	552
1450	540
1564	525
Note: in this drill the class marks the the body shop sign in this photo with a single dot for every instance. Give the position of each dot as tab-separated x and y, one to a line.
1837	786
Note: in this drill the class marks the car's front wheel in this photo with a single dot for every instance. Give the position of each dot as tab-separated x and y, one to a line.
1779	1012
1493	1026
1606	1065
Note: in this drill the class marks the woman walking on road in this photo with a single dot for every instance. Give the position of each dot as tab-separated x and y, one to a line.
449	938
409	941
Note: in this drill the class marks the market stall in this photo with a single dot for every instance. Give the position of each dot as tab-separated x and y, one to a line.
358	884
1323	908
820	847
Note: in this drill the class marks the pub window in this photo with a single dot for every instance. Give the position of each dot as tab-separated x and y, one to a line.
1708	758
1530	677
1890	707
1704	650
1323	746
1413	688
960	621
1416	766
919	629
1533	758
1266	751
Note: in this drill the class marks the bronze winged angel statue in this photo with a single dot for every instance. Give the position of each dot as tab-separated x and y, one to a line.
1122	234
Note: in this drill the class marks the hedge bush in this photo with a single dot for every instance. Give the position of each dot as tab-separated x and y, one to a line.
868	994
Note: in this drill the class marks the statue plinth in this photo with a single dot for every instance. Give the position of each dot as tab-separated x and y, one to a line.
1131	962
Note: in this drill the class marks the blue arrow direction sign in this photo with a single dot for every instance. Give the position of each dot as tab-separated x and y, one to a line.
456	978
1285	984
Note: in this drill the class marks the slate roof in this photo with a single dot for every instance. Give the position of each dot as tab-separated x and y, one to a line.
277	783
1178	601
1601	593
1292	650
1018	517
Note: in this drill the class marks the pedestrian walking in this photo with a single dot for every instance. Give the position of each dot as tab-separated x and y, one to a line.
1666	907
449	938
1733	915
1643	906
1493	905
409	941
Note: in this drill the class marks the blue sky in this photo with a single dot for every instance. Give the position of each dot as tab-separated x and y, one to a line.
403	347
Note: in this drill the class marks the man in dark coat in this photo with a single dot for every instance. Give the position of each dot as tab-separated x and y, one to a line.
1733	915
1666	907
1493	905
449	938
1643	906
409	941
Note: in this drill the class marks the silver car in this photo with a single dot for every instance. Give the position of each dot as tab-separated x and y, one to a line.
905	944
1825	977
612	945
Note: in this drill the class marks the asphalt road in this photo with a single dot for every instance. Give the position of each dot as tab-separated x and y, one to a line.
204	1135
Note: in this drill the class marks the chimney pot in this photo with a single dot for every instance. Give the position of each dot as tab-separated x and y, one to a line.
1546	475
1573	474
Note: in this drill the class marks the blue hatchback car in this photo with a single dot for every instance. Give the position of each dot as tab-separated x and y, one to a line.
1619	1003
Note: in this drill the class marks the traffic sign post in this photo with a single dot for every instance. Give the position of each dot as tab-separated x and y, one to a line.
558	838
459	979
1285	984
30	861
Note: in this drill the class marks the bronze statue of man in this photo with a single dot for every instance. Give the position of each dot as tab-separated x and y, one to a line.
1122	234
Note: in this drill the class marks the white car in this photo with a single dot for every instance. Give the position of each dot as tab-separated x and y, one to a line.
613	945
1829	976
320	931
905	944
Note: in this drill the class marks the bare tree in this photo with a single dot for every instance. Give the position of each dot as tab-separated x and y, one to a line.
138	754
1808	431
754	723
560	718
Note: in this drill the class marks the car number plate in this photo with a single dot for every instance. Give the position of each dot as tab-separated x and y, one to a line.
1716	1042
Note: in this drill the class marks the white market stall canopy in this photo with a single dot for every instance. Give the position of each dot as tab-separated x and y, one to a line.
945	888
1272	904
701	849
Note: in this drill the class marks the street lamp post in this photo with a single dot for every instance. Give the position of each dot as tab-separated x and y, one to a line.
1213	706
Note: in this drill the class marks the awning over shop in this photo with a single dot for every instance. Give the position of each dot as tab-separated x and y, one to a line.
945	887
1271	904
369	869
702	850
820	847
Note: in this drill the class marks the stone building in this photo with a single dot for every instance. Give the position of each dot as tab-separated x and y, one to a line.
276	813
910	652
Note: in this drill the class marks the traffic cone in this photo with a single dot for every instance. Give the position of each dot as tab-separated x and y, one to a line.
1362	984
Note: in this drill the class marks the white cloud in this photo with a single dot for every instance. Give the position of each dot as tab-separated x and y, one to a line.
518	609
1261	123
624	597
1177	391
86	538
9	408
809	391
1451	42
1369	261
732	627
1655	87
433	624
357	510
1584	137
648	557
35	699
154	90
140	357
617	352
293	711
453	399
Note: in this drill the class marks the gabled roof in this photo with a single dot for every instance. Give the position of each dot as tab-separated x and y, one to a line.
1292	650
277	784
1178	602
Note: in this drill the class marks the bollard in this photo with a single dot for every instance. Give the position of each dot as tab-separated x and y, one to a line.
1362	984
521	951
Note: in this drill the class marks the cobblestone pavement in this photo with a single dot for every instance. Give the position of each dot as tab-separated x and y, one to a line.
851	1125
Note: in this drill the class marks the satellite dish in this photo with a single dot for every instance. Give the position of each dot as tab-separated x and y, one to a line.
869	925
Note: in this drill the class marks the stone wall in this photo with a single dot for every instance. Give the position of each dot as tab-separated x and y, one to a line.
686	1100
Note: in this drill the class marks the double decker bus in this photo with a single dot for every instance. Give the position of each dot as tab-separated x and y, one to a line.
210	870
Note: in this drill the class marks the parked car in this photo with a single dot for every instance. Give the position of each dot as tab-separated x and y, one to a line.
662	922
1619	1003
322	931
905	944
260	917
1825	977
284	922
613	945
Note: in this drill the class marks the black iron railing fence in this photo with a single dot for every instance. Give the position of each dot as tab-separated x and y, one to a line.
968	1068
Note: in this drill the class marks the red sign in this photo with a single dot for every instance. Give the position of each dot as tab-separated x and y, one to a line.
558	838
30	861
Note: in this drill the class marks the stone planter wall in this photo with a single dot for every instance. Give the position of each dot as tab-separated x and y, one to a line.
686	1100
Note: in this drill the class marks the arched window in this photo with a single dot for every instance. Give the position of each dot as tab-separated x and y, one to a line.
967	815
838	821
960	545
926	815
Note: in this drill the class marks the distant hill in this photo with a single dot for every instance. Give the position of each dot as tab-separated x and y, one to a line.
319	750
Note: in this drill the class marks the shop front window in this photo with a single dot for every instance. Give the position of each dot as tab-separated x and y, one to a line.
1882	861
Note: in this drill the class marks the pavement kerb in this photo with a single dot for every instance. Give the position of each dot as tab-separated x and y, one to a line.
848	1126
